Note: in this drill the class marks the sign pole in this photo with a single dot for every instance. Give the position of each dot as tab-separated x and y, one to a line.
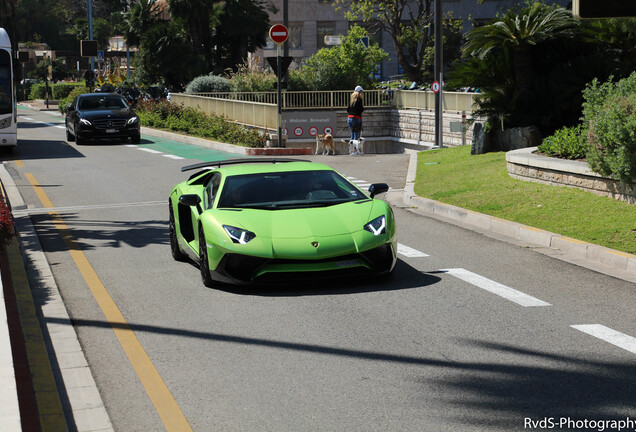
438	73
280	110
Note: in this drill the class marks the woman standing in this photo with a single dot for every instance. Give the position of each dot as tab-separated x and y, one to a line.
354	111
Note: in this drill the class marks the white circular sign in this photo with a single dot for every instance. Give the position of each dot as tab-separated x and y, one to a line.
435	86
328	130
286	131
298	131
313	131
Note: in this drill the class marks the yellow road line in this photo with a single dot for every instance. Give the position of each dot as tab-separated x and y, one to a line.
167	408
18	163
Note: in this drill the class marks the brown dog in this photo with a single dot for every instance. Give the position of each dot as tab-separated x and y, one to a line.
326	141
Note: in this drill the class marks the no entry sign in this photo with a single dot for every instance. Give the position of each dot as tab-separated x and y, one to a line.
278	33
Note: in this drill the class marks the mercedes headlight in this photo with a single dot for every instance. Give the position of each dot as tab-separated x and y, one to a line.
132	120
85	122
377	226
239	235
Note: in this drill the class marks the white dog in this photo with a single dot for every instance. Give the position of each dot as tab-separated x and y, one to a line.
356	147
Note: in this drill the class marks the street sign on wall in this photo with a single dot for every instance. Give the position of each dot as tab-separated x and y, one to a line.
308	124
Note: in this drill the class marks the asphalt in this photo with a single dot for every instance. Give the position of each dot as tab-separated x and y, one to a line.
45	381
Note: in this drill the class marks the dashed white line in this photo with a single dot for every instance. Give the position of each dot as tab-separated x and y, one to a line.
409	252
171	156
614	337
149	150
496	288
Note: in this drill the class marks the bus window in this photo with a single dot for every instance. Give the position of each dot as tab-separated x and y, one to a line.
6	99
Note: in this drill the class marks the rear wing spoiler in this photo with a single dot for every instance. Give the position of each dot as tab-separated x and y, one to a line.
212	164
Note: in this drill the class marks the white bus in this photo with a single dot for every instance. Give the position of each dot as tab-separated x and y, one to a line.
8	109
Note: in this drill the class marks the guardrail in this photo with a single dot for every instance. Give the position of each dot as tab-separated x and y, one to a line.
259	108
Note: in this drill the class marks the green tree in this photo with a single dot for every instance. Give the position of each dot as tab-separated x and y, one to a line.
162	47
242	28
515	33
138	18
410	25
344	66
201	18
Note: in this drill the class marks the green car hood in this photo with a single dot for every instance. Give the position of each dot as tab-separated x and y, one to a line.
301	223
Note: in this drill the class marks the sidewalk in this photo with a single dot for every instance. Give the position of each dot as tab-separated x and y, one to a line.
46	383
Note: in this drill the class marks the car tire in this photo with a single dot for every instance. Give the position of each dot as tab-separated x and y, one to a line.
135	139
204	264
69	136
174	244
80	141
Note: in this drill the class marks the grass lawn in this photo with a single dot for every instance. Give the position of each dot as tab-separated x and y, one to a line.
481	183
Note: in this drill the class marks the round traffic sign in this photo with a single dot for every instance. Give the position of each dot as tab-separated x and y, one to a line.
278	33
298	131
328	130
435	86
313	131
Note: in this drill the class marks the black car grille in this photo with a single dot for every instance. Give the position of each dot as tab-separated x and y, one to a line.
109	123
243	267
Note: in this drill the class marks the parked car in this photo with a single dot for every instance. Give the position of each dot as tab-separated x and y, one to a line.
98	116
270	220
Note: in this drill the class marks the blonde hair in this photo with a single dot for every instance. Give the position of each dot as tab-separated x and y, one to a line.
354	97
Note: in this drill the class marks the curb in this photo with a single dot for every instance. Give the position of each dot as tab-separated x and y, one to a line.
618	264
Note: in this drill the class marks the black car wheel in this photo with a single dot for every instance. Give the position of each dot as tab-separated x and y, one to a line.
135	139
174	244
204	264
69	136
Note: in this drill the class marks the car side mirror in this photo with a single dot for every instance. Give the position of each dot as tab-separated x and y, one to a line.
191	200
378	188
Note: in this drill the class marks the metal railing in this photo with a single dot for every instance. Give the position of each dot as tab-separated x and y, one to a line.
259	108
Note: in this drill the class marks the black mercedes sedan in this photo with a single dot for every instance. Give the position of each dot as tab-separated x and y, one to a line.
97	116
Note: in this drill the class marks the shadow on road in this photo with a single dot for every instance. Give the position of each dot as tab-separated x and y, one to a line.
488	394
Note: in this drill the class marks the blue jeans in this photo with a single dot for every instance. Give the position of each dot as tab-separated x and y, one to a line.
357	122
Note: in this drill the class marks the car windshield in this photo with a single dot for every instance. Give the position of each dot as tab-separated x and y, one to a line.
284	190
102	102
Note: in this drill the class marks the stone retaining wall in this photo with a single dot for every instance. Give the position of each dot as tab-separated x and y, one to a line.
408	126
524	164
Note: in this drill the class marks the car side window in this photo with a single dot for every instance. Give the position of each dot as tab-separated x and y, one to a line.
212	189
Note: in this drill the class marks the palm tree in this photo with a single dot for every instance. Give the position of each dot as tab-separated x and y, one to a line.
517	32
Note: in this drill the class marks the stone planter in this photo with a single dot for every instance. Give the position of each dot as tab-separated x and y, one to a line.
524	164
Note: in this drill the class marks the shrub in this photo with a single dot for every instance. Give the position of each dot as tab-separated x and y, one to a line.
566	143
38	91
609	113
7	228
66	102
167	115
62	90
246	80
208	84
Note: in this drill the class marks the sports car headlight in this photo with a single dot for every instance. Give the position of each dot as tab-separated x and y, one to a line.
239	235
132	120
85	122
377	226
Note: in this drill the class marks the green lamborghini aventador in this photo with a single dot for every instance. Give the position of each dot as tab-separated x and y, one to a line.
268	220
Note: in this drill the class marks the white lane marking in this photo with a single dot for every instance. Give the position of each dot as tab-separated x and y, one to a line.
26	118
614	337
358	181
409	252
496	288
130	145
171	156
149	150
